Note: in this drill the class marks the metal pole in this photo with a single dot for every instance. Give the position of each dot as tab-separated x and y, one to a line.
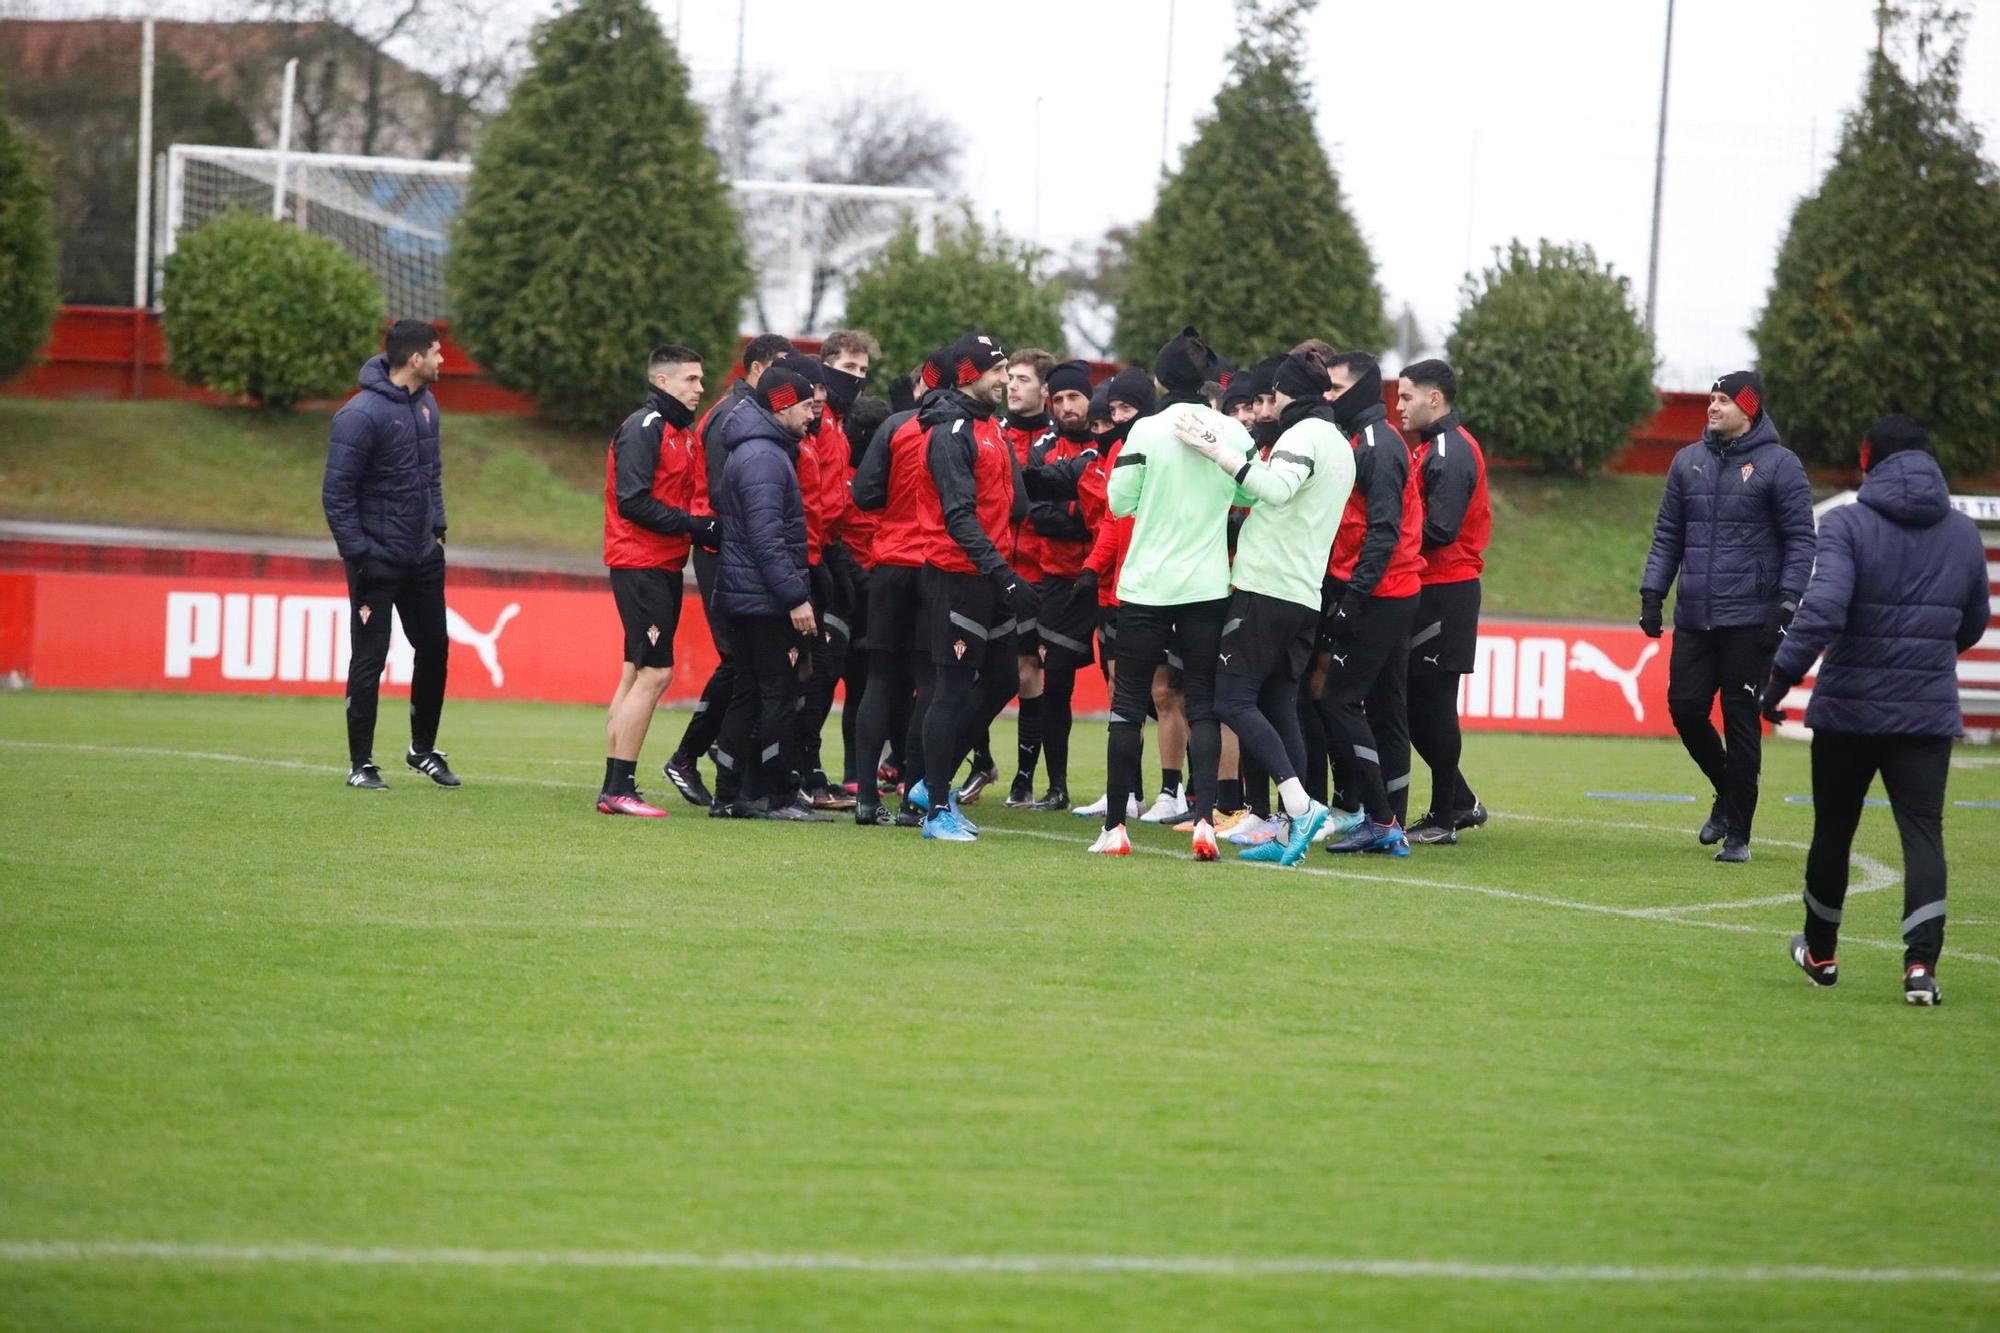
1035	231
1659	177
143	234
1167	92
284	137
739	138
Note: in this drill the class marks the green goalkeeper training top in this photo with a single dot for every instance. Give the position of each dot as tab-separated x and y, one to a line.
1301	492
1179	502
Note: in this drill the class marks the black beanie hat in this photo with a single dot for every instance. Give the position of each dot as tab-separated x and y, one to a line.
1893	434
1240	388
805	365
1264	375
1100	403
970	357
780	387
1068	377
1745	388
1184	363
1302	376
1134	386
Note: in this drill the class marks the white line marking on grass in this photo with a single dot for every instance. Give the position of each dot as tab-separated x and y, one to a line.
1667	914
1664	914
1875	876
1417	1270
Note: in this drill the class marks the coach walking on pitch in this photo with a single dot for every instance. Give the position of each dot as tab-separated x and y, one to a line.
1736	525
1899	592
384	499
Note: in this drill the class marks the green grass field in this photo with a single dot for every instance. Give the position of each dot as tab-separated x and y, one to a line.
1562	546
483	1059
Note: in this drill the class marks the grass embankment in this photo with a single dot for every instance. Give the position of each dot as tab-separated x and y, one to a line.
1561	547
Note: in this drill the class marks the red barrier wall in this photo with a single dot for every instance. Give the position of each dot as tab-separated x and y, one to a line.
223	622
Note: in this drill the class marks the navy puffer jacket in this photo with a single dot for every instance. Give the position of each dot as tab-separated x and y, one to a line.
1898	593
383	491
1736	525
761	569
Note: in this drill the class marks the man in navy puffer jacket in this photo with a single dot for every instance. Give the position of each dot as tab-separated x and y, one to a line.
1899	592
764	591
1736	526
383	493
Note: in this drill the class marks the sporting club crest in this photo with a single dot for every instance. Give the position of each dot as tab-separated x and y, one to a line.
364	613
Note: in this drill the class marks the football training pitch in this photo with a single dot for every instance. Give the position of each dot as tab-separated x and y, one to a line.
274	1053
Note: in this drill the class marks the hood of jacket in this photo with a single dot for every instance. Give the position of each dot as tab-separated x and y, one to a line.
375	379
1907	488
1762	431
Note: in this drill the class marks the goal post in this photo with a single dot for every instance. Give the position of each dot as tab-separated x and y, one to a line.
394	216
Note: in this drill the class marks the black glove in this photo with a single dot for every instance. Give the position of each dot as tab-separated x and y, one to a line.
1345	622
707	531
1771	700
1023	599
1650	603
1086	581
1777	619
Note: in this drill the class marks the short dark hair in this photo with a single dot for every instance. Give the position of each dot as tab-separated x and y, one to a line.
1355	363
1318	347
670	354
765	347
1434	374
407	338
1036	357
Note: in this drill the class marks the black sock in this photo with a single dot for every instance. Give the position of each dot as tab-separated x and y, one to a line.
1170	779
1028	751
1229	794
620	777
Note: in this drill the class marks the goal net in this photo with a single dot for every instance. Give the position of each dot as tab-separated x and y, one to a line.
394	216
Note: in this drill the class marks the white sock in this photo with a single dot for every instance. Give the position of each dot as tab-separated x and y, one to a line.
1293	793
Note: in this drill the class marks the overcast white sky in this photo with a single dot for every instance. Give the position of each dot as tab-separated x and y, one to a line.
1455	124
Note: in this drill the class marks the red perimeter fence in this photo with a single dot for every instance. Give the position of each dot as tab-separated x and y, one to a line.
112	352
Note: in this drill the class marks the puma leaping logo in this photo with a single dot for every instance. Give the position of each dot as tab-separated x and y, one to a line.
459	630
1588	657
1432	658
1223	658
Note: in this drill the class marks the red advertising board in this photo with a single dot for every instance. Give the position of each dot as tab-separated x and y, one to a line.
288	635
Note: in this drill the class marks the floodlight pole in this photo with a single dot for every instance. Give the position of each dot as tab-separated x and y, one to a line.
1659	178
143	235
284	138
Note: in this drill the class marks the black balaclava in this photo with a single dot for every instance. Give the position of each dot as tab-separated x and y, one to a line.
1134	386
842	388
1359	396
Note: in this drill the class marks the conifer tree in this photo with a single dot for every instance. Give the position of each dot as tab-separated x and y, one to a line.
597	223
27	250
1250	240
1886	296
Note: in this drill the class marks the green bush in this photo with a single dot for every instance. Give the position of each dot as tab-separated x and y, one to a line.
1555	367
257	308
27	251
1250	240
596	224
1886	296
970	280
